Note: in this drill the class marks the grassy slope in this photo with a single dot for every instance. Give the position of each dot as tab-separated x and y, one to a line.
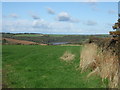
40	67
29	35
57	35
36	35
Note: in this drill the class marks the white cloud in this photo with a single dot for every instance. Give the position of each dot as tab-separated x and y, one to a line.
13	15
35	16
16	26
40	26
64	16
50	11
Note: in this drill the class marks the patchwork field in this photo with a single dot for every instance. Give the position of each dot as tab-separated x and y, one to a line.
29	35
34	66
23	42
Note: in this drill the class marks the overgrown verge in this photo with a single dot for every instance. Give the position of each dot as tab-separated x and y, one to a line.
102	57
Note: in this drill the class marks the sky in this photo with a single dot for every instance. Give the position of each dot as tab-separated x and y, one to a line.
59	17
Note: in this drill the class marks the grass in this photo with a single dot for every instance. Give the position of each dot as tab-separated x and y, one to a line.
57	35
37	35
29	35
33	66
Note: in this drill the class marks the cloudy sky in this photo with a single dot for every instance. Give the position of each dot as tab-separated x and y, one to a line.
59	17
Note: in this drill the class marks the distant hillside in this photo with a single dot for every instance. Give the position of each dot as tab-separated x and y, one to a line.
51	38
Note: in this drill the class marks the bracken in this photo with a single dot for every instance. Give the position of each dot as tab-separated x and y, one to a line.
103	62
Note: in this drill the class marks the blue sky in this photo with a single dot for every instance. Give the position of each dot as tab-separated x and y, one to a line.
59	17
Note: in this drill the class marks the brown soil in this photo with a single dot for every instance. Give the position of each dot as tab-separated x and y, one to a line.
20	42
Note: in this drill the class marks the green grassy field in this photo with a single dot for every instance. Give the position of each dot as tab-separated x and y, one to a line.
29	35
57	35
33	66
37	35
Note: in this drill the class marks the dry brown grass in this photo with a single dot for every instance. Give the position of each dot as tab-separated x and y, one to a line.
88	56
67	56
103	63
